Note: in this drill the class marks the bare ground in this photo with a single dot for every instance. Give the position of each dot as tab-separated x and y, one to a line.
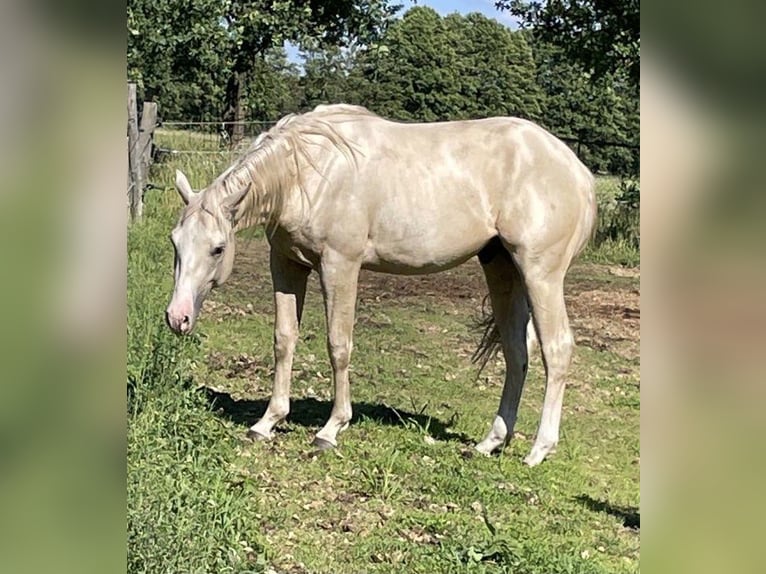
603	301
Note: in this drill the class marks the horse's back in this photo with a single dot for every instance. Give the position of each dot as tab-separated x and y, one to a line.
503	167
426	195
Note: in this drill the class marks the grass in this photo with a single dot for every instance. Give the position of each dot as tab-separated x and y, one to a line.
403	493
184	512
617	237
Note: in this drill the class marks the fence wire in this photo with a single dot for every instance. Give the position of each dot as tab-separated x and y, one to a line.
202	138
207	147
205	138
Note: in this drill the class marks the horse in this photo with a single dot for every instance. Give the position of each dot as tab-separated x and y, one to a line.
340	189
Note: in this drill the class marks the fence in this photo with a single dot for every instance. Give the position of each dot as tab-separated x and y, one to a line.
604	157
188	138
197	138
203	138
139	141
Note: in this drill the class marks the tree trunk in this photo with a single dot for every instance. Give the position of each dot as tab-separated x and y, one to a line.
234	108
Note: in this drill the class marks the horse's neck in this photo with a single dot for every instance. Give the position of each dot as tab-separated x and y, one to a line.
275	188
261	208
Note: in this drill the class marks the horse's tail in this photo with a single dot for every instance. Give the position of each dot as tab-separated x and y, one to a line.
490	342
589	216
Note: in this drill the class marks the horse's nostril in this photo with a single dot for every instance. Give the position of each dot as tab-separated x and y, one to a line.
186	319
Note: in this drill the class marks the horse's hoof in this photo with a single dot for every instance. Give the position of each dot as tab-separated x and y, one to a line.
476	450
322	444
539	453
256	436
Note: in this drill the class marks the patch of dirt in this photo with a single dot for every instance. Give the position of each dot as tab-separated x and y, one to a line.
242	365
603	301
221	310
464	283
607	320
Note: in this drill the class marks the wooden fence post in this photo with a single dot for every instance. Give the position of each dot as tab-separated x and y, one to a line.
146	135
136	188
130	178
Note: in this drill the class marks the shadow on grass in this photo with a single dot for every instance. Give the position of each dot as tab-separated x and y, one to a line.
309	412
630	517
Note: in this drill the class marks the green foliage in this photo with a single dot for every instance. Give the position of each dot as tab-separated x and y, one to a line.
589	110
184	511
588	63
257	27
630	193
198	57
604	36
272	89
415	77
326	77
495	67
177	53
429	68
619	220
618	232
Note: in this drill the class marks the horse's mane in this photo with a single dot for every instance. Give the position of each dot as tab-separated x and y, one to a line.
275	162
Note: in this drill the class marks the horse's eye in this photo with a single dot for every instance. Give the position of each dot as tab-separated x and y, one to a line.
217	251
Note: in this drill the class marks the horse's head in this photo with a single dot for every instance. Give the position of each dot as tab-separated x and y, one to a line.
204	247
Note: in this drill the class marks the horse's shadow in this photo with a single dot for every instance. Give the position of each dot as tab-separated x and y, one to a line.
630	517
310	412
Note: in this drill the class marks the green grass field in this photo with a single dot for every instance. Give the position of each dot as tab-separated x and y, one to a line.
403	492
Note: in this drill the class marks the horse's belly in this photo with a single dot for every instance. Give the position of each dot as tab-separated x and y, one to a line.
409	268
422	257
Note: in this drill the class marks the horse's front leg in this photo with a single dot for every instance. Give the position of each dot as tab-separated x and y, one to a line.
339	276
289	281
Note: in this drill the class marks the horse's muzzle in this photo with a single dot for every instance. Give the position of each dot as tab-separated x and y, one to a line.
180	318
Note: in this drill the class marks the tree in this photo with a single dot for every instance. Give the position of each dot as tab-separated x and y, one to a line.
205	57
325	77
428	68
272	89
258	26
576	105
496	69
176	54
413	74
604	36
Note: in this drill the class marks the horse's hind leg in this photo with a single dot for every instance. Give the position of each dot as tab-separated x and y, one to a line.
545	289
532	342
511	314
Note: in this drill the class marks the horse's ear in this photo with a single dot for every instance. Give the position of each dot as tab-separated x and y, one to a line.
183	187
234	205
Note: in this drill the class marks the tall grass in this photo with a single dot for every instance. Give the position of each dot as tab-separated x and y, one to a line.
617	239
185	513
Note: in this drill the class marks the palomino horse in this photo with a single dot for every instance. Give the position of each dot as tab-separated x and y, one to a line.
341	189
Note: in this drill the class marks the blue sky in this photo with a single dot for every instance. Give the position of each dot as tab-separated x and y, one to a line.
486	7
443	7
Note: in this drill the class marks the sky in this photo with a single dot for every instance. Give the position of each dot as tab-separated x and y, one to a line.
486	7
443	7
